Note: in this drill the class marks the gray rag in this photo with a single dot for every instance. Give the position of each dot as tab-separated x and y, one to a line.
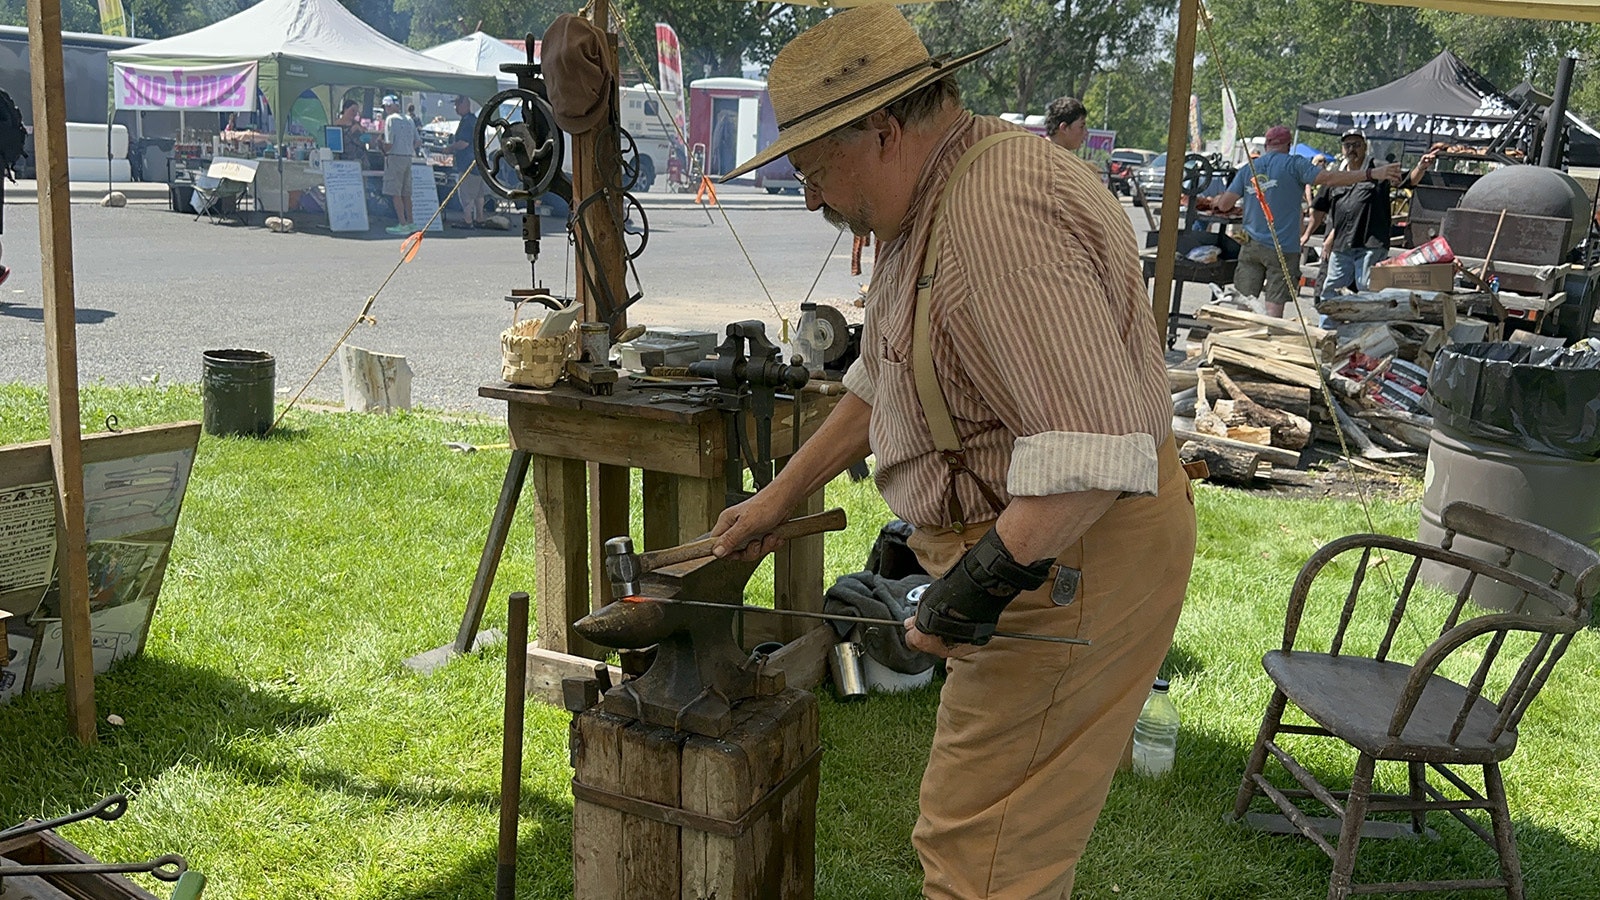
873	596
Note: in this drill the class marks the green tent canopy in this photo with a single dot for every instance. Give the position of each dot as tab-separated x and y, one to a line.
300	45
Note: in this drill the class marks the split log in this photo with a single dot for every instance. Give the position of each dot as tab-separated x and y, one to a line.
1275	455
1221	317
1227	465
374	382
1251	434
1416	306
1205	420
1410	429
1287	430
1296	353
1277	370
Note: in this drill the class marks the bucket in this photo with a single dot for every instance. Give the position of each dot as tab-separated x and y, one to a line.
236	391
1561	494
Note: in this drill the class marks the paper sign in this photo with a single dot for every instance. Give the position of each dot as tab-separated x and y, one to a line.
346	195
424	197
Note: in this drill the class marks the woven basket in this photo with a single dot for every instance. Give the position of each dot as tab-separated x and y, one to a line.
534	361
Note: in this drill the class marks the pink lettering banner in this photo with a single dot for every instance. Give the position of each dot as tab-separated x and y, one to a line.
228	88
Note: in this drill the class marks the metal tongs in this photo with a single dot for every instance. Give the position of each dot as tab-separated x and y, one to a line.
169	867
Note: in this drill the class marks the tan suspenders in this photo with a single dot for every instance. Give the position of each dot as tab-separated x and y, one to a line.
934	408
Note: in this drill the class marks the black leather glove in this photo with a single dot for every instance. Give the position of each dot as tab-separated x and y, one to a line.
964	605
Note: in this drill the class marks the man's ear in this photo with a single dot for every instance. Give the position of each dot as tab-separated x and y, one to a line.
888	131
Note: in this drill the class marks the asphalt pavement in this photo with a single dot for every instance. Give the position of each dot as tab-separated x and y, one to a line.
155	289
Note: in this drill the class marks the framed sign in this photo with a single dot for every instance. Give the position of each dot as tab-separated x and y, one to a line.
134	483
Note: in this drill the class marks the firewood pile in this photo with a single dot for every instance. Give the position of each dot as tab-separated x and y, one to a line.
1249	399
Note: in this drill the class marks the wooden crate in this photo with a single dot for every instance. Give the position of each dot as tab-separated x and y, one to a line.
46	848
664	814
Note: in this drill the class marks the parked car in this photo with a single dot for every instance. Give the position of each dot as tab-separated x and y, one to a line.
1122	166
1151	176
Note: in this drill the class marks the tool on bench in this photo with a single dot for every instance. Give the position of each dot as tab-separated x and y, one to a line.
749	374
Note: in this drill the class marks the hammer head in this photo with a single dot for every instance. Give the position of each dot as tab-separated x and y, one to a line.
622	567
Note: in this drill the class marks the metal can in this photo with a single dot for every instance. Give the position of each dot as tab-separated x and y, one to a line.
595	339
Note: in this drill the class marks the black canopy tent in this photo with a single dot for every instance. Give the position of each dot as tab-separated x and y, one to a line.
1445	100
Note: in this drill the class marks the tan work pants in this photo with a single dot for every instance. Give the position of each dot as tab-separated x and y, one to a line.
1029	733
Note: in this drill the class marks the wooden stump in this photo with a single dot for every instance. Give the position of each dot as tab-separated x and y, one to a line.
374	382
679	816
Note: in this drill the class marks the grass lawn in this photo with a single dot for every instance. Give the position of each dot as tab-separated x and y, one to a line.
273	737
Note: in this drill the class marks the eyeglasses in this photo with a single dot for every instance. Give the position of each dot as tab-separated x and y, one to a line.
810	182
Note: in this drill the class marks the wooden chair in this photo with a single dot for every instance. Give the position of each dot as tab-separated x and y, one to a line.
1456	703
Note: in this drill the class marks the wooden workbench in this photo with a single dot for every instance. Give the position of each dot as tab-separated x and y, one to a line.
581	449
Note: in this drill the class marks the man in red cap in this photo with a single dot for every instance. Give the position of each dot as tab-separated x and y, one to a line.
1269	261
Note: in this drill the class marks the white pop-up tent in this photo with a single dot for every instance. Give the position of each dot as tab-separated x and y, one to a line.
481	53
282	47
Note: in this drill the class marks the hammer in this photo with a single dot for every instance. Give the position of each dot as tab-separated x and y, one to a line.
622	560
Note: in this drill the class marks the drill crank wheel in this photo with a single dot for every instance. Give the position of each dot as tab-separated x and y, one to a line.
517	126
631	166
1197	173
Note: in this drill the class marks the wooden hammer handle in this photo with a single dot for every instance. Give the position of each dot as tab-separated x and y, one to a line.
831	520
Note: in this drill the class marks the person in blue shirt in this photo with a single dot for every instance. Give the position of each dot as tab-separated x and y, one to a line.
470	193
1281	178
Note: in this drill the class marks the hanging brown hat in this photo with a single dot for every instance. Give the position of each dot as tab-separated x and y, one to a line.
575	74
844	68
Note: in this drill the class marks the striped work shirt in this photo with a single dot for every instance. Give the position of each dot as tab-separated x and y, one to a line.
1041	329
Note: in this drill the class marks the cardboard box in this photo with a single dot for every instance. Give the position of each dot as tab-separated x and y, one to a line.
1431	277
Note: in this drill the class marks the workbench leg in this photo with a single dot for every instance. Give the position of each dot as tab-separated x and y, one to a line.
797	574
609	491
679	508
489	561
561	542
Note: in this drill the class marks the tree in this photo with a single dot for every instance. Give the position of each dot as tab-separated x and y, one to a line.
1055	49
1510	51
433	22
714	35
1279	54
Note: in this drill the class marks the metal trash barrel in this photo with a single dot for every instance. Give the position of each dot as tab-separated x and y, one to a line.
236	391
1515	432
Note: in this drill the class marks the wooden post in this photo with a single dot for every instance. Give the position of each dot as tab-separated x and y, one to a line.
561	574
609	491
1177	127
61	356
596	166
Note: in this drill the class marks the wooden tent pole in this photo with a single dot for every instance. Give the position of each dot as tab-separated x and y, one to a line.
1177	128
61	356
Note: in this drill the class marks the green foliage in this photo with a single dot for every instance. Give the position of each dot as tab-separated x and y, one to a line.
1056	49
1278	55
272	736
714	36
433	22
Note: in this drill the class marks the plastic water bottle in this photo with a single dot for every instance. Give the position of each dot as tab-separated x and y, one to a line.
805	338
1155	735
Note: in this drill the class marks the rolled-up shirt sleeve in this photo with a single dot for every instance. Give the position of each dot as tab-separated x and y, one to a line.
858	382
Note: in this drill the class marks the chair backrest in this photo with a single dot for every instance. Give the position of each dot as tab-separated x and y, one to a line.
1561	606
1568	561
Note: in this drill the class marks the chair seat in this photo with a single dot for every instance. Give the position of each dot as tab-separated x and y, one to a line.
1355	698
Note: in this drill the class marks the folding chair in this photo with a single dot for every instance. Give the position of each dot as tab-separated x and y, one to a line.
224	188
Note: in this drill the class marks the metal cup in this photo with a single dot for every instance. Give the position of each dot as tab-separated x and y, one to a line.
845	665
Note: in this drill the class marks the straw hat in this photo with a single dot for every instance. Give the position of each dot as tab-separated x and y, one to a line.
843	69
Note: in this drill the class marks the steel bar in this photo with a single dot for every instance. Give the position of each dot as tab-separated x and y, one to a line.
836	617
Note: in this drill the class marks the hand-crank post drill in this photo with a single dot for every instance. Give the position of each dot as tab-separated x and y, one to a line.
749	382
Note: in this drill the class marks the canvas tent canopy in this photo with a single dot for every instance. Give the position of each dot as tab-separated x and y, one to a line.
1445	100
481	53
286	47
